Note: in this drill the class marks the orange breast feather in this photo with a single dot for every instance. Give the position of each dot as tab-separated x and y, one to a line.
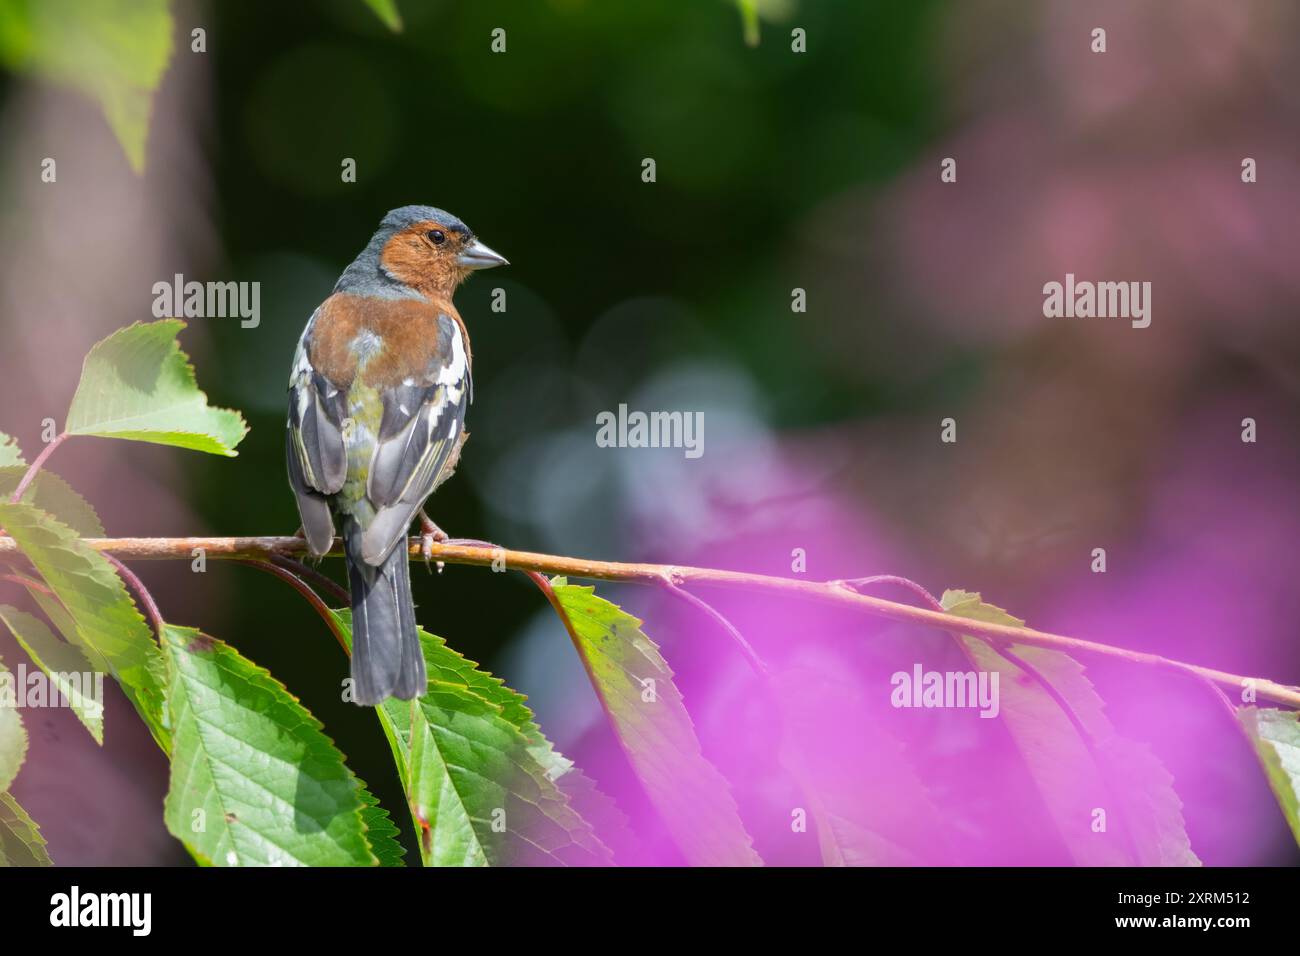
383	340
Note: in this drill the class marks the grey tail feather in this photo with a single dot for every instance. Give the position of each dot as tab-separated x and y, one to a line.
387	660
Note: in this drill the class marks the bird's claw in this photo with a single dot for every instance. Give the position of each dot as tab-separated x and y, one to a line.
426	549
429	533
308	557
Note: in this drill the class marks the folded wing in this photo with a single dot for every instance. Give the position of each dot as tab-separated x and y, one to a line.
420	432
315	448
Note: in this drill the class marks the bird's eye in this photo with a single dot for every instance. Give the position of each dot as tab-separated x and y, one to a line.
436	236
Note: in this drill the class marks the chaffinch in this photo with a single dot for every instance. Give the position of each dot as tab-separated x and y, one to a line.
377	399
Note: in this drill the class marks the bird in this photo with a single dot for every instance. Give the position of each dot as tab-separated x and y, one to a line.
378	391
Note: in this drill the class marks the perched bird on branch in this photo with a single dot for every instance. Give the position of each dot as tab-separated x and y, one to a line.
377	399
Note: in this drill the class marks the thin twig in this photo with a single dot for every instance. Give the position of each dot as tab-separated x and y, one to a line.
35	467
28	583
755	662
142	592
307	571
303	588
833	592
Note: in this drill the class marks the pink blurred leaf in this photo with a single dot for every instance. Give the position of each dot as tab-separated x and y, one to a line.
1112	800
635	686
869	806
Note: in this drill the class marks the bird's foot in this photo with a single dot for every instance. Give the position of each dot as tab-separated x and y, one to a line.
307	556
429	533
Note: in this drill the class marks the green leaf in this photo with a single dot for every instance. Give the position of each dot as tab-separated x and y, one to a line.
21	843
477	793
1074	774
254	780
594	806
114	51
108	628
381	832
137	384
53	609
387	11
60	658
1276	735
635	686
10	453
51	493
66	667
13	736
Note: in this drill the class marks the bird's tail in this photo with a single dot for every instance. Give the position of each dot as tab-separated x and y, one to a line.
386	655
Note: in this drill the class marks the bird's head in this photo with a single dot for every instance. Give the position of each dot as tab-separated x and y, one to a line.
430	250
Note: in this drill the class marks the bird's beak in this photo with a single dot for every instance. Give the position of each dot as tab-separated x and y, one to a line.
478	256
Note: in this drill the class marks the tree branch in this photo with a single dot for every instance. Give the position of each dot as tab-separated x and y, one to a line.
839	593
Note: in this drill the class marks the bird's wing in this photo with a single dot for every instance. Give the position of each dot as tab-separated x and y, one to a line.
314	447
419	434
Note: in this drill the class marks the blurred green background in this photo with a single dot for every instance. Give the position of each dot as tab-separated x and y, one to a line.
539	150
